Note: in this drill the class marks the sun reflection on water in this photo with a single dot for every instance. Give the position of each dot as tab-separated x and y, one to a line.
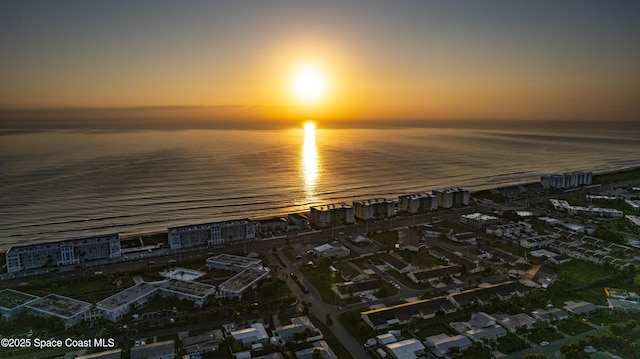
310	163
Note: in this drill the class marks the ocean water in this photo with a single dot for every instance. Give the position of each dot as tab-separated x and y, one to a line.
58	185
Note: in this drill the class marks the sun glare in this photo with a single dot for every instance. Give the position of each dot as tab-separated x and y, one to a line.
310	162
309	83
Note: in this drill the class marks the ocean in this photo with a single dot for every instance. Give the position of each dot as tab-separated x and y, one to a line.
57	185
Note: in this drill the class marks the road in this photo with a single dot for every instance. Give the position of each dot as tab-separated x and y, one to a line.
553	349
319	308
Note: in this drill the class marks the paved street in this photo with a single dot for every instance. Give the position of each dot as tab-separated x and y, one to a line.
320	309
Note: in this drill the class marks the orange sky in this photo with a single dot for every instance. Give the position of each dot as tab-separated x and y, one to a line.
383	61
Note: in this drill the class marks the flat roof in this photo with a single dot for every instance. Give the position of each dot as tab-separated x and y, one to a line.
91	239
243	279
190	288
10	299
479	216
127	296
328	207
233	260
202	226
145	289
60	306
373	201
417	195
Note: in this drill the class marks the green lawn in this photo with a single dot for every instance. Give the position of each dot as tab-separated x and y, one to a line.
537	335
476	352
511	343
427	329
420	259
322	279
585	281
573	326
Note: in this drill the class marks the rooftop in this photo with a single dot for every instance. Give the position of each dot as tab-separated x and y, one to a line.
10	298
233	260
244	279
60	306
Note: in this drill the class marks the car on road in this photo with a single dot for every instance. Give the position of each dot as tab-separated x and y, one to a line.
172	260
370	343
544	344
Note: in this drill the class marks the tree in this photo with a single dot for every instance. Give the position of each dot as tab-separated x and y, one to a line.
535	356
328	319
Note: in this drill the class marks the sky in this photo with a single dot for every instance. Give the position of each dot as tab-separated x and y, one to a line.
188	62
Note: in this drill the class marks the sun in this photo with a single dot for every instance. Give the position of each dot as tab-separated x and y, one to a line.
309	83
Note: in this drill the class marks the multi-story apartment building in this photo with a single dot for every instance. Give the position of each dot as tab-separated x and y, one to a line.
212	234
567	180
332	214
69	252
378	208
418	202
452	197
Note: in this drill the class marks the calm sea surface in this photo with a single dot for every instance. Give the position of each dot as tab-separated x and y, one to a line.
63	185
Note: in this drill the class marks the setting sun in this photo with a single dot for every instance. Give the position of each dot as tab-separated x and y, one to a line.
309	83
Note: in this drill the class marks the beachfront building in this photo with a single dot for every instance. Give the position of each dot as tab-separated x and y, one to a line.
212	234
69	252
70	311
418	202
377	208
298	220
272	225
567	180
332	215
13	302
452	197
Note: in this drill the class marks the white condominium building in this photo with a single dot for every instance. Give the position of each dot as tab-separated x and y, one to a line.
332	214
212	234
452	197
567	180
378	208
418	202
69	252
